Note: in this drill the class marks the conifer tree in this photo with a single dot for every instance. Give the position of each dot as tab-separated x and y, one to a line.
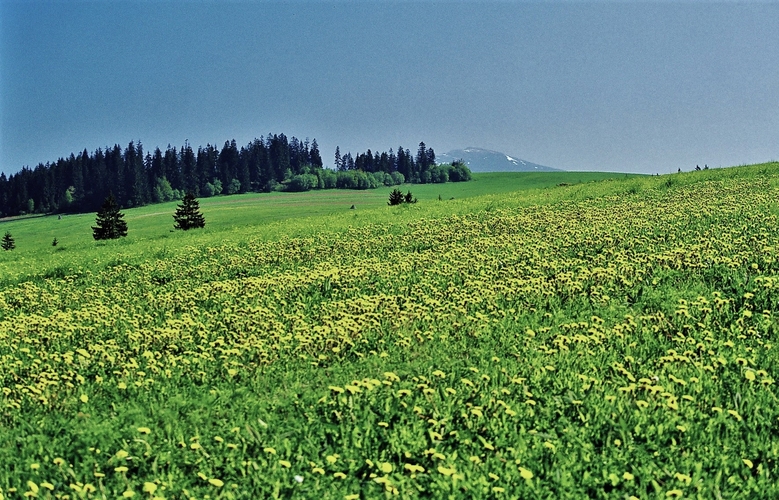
396	197
8	242
188	214
110	222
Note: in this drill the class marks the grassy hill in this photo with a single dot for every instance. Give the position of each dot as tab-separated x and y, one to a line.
270	216
609	339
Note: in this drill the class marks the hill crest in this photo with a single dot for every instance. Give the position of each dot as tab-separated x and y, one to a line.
486	160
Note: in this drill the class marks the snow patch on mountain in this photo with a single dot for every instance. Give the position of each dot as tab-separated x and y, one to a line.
485	160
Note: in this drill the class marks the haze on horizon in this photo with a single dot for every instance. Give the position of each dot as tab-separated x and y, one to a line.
633	87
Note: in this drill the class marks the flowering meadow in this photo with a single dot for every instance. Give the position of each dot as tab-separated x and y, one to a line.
613	345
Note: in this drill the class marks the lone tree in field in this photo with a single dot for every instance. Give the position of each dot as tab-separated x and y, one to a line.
8	242
110	222
188	214
396	197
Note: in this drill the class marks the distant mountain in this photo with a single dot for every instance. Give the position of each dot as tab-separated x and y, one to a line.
484	160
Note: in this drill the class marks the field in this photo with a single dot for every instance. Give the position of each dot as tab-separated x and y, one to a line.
609	339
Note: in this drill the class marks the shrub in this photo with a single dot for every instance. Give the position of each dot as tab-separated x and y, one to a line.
234	186
303	182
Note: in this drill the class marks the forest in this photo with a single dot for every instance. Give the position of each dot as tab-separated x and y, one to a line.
80	182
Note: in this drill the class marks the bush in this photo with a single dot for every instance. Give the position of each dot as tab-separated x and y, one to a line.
439	174
234	186
328	179
303	182
398	178
459	172
346	180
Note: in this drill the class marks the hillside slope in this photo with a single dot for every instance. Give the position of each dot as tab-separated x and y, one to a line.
609	339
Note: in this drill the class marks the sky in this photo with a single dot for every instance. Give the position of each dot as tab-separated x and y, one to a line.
620	86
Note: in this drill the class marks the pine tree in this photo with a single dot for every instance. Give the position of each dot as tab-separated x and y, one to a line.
8	242
188	214
395	197
338	158
110	222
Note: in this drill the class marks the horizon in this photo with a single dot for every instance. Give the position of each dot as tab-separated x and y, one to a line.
641	88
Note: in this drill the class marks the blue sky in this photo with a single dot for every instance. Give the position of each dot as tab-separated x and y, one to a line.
635	87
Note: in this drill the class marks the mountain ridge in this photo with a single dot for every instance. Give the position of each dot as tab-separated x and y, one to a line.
487	160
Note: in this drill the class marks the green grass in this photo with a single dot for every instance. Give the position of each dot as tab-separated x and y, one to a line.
271	215
608	339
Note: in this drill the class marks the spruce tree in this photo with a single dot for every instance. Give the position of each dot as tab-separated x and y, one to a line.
8	242
396	197
110	223
188	214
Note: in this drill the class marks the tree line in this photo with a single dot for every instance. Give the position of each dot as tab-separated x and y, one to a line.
419	169
81	182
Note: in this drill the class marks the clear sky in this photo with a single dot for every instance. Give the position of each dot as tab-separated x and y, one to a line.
634	87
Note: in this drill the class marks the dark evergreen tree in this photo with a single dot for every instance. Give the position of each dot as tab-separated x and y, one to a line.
188	214
110	221
395	197
8	242
314	156
188	164
338	163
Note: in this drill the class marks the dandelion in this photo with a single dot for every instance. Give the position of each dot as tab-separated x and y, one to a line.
446	471
526	474
33	487
216	482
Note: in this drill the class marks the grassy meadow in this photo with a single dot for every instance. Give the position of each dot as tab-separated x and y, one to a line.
612	337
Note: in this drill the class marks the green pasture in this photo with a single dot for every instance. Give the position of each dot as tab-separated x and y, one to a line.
540	336
269	215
